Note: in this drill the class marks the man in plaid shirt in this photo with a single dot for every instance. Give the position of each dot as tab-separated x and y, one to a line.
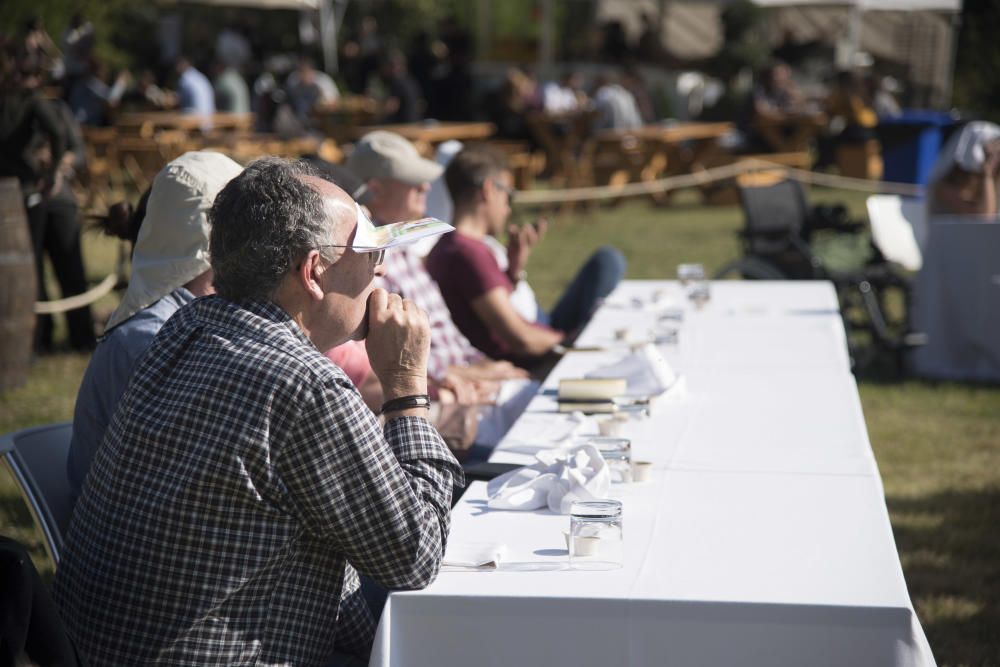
243	484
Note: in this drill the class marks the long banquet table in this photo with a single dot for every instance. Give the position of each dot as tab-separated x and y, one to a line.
761	539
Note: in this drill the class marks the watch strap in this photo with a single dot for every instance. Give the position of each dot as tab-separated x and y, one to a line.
406	403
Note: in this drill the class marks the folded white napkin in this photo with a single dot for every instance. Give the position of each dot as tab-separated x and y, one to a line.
558	479
474	555
645	370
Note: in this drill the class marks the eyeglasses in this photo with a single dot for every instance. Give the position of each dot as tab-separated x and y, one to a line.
503	187
376	256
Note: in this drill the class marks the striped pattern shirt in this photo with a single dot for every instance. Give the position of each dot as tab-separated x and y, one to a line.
405	275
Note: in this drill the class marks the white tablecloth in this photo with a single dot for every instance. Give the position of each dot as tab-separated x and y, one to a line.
956	302
762	537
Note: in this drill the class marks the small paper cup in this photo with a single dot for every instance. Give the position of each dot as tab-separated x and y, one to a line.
582	546
611	428
641	471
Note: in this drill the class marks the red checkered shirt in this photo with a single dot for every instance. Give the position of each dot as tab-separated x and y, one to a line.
406	275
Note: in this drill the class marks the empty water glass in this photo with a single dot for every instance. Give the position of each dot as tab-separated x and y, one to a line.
700	293
689	273
667	336
692	278
617	453
595	540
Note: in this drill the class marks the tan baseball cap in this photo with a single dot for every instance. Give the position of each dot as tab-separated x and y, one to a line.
382	154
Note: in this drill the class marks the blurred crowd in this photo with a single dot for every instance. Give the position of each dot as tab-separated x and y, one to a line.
55	87
432	77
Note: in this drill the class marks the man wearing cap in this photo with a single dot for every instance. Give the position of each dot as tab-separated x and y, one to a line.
169	269
243	484
397	181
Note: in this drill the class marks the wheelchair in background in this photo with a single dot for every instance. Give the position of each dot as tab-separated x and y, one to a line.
779	227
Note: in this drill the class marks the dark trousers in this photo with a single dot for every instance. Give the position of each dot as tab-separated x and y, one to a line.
30	628
55	230
595	280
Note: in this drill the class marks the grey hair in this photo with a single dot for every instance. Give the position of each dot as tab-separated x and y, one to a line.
263	221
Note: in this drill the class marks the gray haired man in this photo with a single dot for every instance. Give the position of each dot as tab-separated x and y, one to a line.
243	484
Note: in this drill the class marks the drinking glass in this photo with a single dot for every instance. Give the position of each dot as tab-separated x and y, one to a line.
692	278
595	535
617	453
689	273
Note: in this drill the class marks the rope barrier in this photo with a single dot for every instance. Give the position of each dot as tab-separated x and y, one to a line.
849	183
86	298
593	193
704	177
79	300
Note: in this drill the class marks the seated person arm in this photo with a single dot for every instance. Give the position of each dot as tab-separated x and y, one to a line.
522	337
380	496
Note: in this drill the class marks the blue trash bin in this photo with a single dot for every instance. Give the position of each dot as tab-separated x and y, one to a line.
911	143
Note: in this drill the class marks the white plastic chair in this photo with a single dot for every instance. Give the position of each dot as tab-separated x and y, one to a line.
899	228
37	458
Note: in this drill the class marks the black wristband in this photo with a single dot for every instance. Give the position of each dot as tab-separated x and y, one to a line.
406	402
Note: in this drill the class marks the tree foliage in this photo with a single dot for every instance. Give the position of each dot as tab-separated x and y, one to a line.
977	86
110	19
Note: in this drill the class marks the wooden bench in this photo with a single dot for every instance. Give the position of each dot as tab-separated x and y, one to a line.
101	181
621	158
525	164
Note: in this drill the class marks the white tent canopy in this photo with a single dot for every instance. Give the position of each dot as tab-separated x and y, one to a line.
880	5
329	20
917	34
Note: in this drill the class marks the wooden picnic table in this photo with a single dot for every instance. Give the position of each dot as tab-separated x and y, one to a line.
651	152
674	132
340	119
148	123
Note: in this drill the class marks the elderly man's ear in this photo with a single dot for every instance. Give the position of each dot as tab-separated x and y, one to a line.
310	275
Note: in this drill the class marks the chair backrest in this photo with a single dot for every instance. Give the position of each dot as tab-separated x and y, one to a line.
898	225
775	216
776	209
37	459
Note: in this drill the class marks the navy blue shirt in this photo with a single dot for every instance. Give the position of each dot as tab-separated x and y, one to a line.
107	377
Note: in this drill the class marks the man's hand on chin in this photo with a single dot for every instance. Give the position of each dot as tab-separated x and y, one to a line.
398	343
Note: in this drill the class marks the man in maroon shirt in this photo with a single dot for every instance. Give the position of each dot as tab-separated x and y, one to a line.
477	290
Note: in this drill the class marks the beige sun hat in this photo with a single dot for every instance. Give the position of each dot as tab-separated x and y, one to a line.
172	246
382	154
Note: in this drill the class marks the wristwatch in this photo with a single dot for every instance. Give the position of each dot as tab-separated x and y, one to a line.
406	402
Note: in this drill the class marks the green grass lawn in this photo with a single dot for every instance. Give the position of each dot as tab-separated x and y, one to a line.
937	445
